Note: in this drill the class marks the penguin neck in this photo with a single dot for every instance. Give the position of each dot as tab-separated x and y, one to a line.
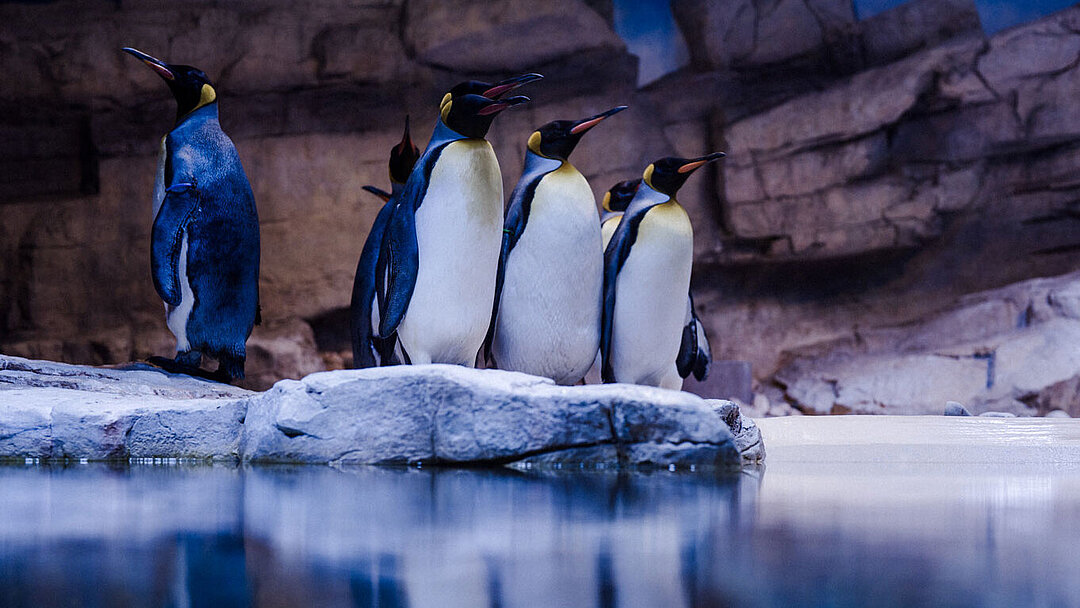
610	215
396	188
646	198
537	165
199	115
443	135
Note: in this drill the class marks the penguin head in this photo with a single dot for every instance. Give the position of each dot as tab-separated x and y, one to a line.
619	196
667	175
402	157
190	86
471	115
557	139
487	89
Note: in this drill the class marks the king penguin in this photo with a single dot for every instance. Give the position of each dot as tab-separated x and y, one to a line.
205	239
546	315
647	269
440	252
368	350
695	355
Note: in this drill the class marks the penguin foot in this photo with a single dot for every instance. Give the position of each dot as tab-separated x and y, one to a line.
180	365
230	367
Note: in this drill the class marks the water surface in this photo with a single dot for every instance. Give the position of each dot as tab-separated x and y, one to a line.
789	534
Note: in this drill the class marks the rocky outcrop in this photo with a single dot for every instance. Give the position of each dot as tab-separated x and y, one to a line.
1009	350
449	414
57	411
746	433
401	415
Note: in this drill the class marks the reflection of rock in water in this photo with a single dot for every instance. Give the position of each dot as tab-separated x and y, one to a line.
840	535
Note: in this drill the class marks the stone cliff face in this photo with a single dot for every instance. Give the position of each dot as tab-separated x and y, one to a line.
877	170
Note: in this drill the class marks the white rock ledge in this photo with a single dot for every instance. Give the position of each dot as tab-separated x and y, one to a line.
433	414
921	439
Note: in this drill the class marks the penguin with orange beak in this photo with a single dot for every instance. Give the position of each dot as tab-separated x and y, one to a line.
546	317
647	268
204	244
435	276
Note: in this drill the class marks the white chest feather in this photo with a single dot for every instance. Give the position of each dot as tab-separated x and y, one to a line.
651	296
177	318
458	234
549	312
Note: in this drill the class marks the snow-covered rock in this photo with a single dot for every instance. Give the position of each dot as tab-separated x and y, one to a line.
450	414
409	414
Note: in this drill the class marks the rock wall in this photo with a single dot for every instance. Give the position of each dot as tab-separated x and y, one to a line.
878	170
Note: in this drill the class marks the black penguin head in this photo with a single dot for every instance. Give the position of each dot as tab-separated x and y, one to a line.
557	139
667	175
619	196
487	89
402	157
190	86
471	115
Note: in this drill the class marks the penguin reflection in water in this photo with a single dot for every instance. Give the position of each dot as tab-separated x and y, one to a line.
647	269
695	355
435	275
546	316
204	247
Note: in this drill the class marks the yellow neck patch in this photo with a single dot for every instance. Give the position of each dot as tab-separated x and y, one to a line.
206	96
647	176
607	201
534	142
445	100
445	111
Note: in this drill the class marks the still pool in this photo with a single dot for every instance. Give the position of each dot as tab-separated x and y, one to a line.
786	534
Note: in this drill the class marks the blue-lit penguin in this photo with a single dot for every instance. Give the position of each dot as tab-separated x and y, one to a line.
546	317
205	238
368	349
695	355
647	269
439	256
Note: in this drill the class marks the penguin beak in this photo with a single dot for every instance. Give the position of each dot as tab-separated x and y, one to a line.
505	86
406	140
385	196
588	123
155	64
498	106
694	163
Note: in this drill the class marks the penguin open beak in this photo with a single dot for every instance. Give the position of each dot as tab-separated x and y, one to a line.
694	163
588	123
505	86
498	106
163	69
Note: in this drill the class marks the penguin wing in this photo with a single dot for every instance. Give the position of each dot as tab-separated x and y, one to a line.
177	208
363	294
614	257
704	353
694	353
398	263
517	215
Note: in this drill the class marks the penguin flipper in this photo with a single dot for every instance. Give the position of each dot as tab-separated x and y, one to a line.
615	255
500	275
688	351
514	225
704	352
177	208
363	294
398	263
